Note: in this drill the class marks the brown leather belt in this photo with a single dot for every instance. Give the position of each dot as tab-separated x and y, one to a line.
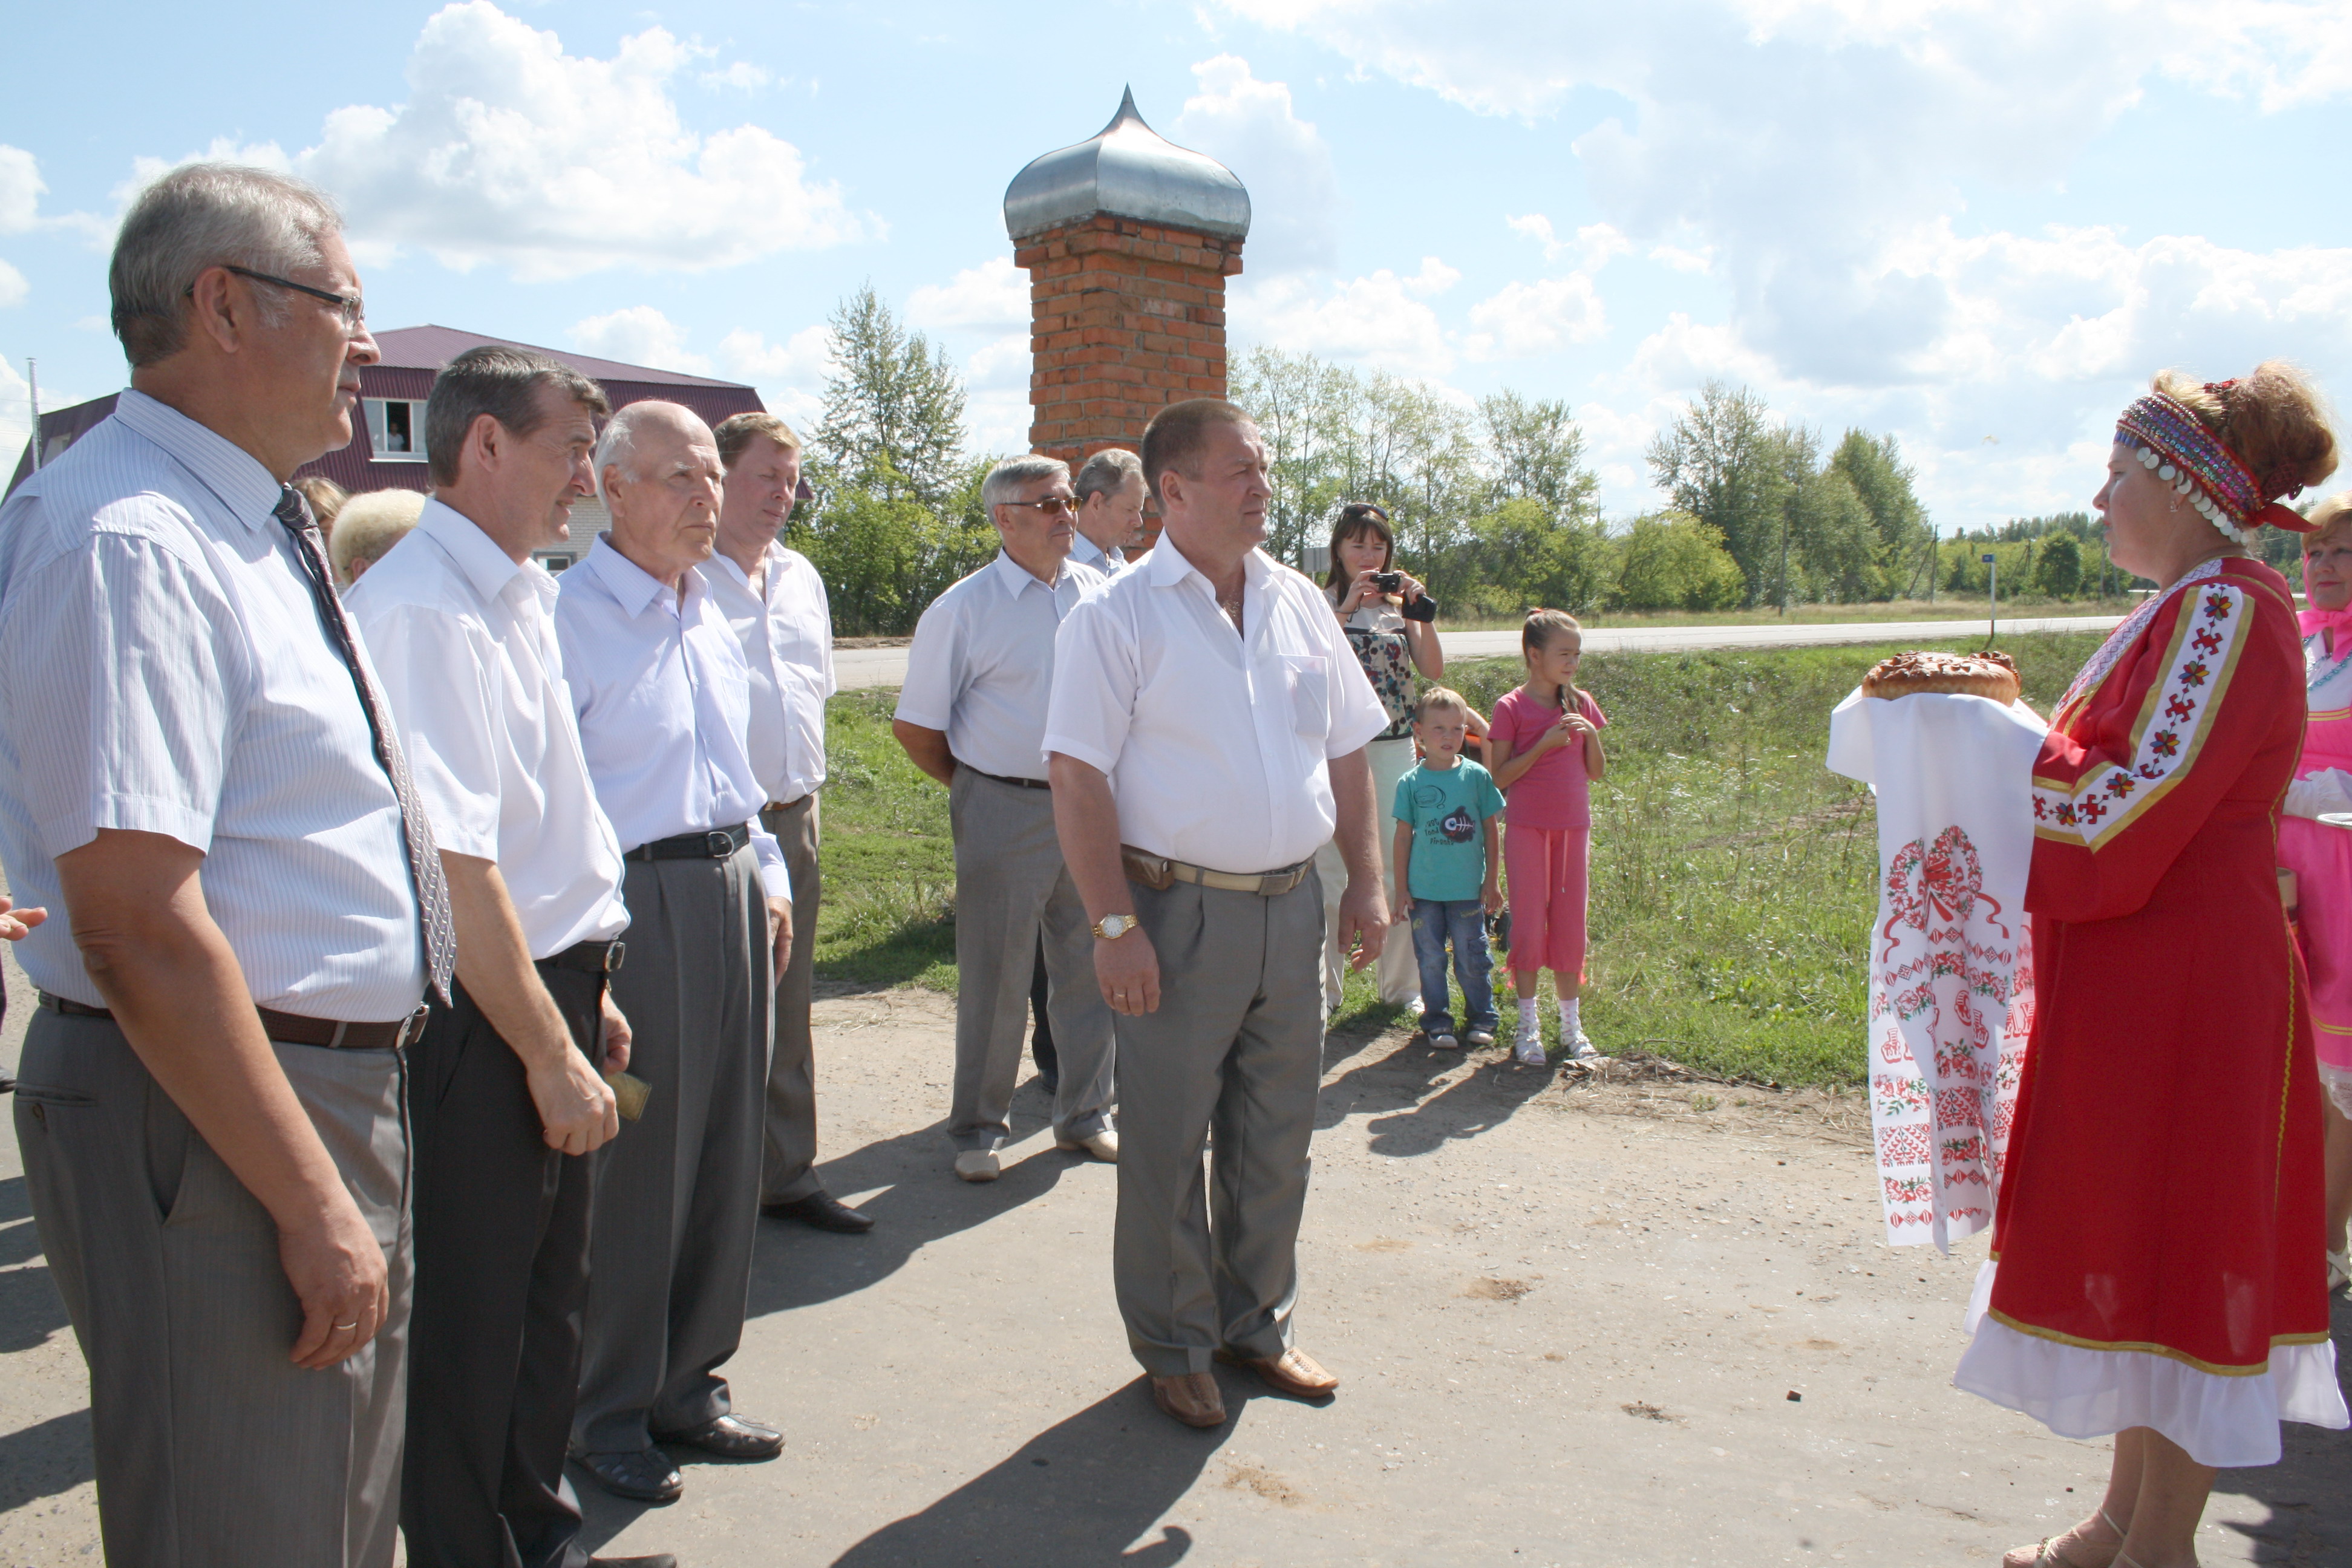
291	1028
782	804
1160	873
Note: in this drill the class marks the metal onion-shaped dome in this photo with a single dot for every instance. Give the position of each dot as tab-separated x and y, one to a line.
1129	171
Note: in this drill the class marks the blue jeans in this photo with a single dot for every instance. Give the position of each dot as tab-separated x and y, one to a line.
1462	923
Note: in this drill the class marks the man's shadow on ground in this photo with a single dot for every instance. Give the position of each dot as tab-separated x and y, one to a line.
53	1455
920	1201
1393	1092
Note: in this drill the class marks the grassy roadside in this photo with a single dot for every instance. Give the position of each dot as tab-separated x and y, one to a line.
1733	876
1947	607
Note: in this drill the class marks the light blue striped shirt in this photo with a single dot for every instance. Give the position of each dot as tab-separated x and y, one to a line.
167	673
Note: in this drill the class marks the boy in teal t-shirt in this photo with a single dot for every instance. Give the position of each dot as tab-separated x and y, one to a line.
1448	865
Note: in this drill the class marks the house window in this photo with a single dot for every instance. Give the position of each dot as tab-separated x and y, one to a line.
396	430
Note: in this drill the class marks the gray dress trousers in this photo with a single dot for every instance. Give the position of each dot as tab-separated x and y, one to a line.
1237	1043
678	1193
214	1449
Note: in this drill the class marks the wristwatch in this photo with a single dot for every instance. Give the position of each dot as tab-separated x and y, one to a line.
1110	928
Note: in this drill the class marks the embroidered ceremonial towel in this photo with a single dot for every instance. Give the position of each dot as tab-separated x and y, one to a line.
1951	968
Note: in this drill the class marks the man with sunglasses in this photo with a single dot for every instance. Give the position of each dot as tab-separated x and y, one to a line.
973	715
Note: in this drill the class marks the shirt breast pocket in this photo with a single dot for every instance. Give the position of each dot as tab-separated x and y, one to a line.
1309	677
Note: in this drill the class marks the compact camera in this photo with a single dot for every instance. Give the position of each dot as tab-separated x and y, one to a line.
1422	609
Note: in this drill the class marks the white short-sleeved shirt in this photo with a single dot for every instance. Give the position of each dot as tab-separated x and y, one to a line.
786	635
1086	553
981	665
664	703
167	672
1215	742
464	641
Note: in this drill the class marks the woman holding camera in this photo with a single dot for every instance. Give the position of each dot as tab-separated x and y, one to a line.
1389	621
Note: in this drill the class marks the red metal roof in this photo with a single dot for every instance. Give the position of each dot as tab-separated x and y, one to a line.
412	357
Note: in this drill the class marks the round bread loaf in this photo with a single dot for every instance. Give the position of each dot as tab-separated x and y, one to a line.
1954	674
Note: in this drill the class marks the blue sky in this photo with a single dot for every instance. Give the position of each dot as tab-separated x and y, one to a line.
1980	227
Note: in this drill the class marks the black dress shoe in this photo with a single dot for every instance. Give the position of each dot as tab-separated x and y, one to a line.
823	1211
648	1477
729	1437
657	1560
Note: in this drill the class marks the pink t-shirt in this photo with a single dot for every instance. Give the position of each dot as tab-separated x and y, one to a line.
1556	791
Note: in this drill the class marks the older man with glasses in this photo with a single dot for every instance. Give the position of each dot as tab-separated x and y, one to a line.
973	715
196	762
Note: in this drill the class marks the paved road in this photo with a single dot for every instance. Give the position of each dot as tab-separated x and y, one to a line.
867	667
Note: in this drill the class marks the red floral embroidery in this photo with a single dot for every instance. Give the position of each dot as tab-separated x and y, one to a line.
2120	785
2165	742
1902	1145
2193	673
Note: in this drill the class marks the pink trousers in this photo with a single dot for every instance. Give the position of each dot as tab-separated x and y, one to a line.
1547	868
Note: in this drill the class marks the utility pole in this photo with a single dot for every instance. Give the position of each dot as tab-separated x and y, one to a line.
32	390
1992	593
1935	562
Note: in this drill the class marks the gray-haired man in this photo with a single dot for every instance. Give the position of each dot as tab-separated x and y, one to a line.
664	702
195	763
1110	509
973	715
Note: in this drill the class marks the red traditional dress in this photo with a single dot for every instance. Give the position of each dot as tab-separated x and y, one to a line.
2158	1235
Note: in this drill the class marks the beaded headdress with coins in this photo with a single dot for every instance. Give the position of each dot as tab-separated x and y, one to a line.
2172	440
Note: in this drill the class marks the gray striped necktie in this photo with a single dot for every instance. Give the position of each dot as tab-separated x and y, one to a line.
440	932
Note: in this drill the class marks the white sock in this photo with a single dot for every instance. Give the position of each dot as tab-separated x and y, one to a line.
1567	1023
1528	1022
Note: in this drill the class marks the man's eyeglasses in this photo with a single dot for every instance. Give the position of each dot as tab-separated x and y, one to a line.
1048	507
353	309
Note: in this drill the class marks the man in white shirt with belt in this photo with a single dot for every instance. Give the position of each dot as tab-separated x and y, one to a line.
973	715
196	772
1111	494
1206	733
775	600
506	1097
664	703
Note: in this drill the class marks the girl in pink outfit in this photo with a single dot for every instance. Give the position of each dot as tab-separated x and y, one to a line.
2320	853
1543	746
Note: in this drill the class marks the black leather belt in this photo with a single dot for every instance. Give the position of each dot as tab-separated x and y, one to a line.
291	1028
588	957
715	845
1000	778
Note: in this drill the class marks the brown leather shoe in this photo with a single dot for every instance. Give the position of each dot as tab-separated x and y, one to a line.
1194	1398
1294	1372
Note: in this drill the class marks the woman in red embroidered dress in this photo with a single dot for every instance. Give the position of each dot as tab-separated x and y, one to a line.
2158	1273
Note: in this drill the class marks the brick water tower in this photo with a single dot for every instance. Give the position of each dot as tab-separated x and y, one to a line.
1128	239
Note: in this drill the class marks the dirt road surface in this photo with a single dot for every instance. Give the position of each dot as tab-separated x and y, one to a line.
1579	1323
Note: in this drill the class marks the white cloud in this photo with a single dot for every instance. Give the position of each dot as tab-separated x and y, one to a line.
1700	260
1250	127
13	287
1003	362
995	294
741	75
1378	321
512	153
1536	318
790	375
16	414
20	189
639	334
1594	244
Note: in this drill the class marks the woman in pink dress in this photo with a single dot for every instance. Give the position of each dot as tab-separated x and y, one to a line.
2319	853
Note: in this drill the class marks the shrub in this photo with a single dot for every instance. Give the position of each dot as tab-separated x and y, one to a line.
1672	560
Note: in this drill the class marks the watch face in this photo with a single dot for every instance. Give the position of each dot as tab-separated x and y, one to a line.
1113	927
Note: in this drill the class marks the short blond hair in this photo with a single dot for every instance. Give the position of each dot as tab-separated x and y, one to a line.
737	432
2333	515
370	524
1440	700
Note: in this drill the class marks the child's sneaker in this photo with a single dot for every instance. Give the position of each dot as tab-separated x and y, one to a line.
1581	1049
1531	1050
1480	1038
1444	1042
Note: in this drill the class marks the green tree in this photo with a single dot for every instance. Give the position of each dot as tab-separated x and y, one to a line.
1672	561
1518	557
894	407
1723	464
1535	452
1873	466
2058	571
